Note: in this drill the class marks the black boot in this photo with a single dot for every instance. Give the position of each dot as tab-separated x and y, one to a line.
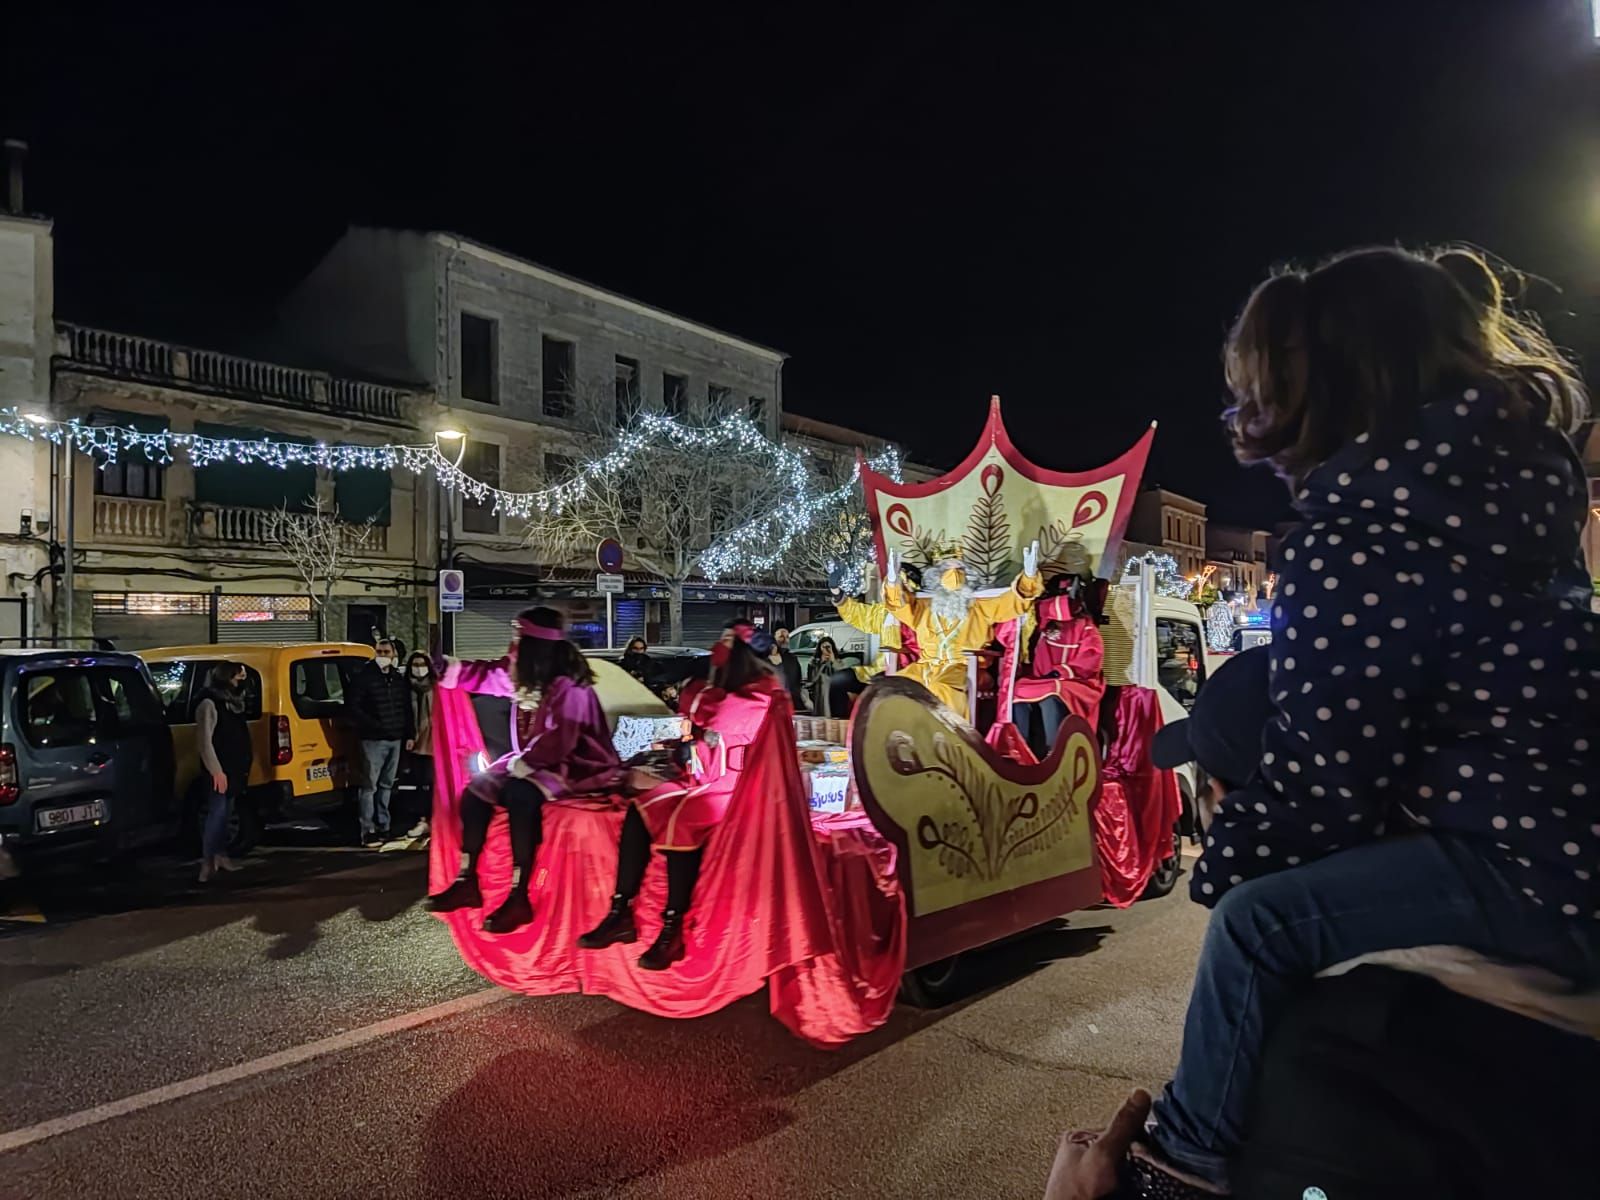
617	926
516	912
668	946
463	893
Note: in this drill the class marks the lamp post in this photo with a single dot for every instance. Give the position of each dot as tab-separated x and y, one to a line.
447	621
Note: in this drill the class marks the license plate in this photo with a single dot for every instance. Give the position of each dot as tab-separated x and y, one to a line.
318	771
77	814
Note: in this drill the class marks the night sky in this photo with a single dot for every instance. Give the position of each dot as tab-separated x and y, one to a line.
921	207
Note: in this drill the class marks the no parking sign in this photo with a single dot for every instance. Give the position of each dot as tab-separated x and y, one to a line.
452	592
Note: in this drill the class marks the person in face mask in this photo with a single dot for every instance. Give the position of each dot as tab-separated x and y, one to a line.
224	744
727	716
418	764
378	704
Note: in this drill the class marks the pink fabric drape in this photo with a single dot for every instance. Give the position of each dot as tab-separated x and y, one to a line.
816	914
1138	803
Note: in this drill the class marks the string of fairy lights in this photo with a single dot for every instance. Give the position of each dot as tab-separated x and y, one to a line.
752	548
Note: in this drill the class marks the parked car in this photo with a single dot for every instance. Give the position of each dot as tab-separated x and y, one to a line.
86	759
669	664
294	704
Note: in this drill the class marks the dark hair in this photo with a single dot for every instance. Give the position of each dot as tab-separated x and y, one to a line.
913	575
744	665
830	644
1360	344
222	674
541	661
385	641
411	660
639	640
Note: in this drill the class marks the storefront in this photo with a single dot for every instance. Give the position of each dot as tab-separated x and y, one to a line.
139	620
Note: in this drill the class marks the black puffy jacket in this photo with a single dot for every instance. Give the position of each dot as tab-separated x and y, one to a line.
379	704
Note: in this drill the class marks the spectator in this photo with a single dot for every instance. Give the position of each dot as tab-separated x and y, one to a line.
636	661
379	707
420	680
1426	776
788	666
224	743
829	681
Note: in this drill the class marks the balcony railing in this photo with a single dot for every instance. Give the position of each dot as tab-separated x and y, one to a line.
253	527
125	356
120	519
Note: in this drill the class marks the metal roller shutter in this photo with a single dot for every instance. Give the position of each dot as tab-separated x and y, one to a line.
242	620
703	622
627	620
484	629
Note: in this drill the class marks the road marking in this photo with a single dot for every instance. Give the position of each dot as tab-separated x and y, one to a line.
18	1138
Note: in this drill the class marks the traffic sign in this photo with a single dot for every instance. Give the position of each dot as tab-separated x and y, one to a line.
452	592
608	584
608	554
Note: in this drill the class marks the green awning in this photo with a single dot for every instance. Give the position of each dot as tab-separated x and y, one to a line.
254	485
362	495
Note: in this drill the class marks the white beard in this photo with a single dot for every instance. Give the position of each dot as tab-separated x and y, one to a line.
950	607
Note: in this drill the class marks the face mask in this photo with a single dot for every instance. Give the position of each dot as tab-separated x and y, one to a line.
385	662
419	672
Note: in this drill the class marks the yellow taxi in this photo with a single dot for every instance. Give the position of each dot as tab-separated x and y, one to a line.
305	755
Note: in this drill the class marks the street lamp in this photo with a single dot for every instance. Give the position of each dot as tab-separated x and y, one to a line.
447	625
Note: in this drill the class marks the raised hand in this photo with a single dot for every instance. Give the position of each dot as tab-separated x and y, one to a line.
892	575
1030	560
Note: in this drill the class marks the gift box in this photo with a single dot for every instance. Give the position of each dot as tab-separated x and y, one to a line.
829	788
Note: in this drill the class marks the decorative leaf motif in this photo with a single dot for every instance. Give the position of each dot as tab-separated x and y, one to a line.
986	548
1062	552
1090	509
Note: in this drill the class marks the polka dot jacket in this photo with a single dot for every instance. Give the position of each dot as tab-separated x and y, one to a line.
1434	664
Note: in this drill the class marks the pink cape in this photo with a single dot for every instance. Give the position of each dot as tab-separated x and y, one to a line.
814	913
1138	804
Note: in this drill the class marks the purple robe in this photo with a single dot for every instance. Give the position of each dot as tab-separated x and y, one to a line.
564	748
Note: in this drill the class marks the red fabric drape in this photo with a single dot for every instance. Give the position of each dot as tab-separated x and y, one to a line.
817	914
1138	804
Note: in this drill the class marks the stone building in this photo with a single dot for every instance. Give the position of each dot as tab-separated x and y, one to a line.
1174	524
169	553
528	364
1239	557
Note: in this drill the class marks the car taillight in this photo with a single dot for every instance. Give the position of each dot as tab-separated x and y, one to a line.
282	751
10	785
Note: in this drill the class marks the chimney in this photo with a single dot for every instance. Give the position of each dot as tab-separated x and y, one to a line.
16	152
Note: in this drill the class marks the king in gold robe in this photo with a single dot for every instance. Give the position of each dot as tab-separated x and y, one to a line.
950	621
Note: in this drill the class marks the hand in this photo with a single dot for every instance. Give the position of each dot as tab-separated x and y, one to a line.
1086	1164
410	744
892	575
1030	560
219	783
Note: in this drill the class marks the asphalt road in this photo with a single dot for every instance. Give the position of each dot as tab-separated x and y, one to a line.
110	988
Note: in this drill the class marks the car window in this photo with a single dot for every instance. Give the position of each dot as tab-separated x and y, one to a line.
1180	658
172	685
57	708
318	685
130	698
805	639
179	685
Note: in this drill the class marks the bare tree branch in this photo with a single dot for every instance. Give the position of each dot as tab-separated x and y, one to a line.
321	546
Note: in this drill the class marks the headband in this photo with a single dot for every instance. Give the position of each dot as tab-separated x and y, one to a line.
544	633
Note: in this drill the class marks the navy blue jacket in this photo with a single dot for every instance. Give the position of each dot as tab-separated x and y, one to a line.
1434	663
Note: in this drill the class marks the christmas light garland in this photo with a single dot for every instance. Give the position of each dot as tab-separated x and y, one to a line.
756	546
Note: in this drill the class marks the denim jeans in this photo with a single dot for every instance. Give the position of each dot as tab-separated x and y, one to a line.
1270	936
214	837
381	762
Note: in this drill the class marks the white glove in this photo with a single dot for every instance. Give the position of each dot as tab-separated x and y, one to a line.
892	575
1030	560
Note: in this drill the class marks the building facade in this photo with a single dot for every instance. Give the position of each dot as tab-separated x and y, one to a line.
169	553
27	314
532	366
1171	523
1239	558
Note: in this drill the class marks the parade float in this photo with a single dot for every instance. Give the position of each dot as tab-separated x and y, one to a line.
844	871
